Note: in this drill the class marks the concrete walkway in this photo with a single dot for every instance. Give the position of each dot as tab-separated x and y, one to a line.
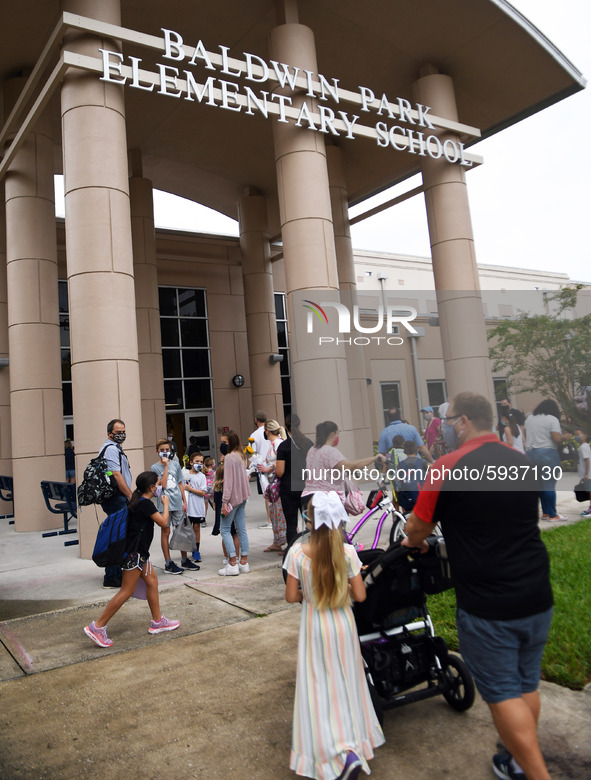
214	698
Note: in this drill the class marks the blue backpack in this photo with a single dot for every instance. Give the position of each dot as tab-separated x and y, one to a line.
109	548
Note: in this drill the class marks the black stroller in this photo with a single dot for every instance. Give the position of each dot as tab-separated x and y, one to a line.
398	642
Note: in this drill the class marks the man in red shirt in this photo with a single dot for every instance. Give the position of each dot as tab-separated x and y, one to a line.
432	424
484	495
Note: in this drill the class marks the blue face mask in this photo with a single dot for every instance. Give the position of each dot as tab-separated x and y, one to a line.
197	466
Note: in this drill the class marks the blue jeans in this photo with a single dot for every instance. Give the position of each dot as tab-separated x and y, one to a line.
237	515
546	456
113	504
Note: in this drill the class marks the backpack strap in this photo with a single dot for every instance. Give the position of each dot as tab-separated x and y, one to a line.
113	444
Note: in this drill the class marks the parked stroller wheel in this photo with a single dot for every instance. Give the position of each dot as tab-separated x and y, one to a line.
375	699
459	692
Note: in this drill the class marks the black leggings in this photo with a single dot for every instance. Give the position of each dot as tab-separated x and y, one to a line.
291	503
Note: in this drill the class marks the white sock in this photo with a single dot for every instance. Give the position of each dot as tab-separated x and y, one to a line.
515	766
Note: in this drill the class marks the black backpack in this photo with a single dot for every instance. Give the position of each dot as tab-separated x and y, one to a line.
98	485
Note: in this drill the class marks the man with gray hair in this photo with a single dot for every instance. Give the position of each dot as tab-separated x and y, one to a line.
485	497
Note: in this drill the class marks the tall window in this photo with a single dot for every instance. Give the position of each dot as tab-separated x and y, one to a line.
501	388
185	348
436	393
65	356
390	398
282	339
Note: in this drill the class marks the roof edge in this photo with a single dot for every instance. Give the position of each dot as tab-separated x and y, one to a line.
545	42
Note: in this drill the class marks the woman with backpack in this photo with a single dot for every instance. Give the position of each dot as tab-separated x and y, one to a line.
139	578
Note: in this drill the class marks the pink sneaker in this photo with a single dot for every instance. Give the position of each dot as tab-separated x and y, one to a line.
98	635
164	624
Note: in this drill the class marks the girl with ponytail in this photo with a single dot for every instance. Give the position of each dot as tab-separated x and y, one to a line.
139	578
335	728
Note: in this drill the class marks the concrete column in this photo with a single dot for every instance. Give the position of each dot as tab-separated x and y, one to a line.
319	376
148	314
5	446
259	305
33	325
356	368
105	370
463	333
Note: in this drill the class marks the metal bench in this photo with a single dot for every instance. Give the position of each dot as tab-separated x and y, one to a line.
60	499
6	493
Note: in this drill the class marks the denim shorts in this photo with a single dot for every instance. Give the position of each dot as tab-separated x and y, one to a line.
503	656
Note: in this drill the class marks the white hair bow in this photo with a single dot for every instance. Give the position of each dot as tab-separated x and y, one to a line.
328	509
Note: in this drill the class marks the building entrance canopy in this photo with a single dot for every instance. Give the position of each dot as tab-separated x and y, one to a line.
279	112
503	69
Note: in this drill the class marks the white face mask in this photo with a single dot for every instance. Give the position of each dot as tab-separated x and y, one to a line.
165	454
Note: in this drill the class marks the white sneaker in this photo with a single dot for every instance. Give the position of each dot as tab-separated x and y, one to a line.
229	571
243	568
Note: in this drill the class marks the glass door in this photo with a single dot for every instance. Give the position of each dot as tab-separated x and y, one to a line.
199	425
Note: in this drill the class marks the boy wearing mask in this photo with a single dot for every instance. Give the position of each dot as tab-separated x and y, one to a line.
170	476
196	487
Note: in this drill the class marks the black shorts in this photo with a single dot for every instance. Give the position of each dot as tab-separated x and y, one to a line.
195	520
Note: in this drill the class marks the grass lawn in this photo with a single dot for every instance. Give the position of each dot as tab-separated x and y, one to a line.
567	658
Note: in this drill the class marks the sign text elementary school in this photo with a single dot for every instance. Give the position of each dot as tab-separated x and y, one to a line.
410	133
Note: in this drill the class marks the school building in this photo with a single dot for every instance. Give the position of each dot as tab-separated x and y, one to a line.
282	114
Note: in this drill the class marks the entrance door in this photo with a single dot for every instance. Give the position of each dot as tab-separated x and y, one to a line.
200	425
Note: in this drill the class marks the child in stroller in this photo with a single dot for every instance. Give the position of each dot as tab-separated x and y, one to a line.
398	642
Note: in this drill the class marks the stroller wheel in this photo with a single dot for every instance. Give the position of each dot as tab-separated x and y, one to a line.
459	690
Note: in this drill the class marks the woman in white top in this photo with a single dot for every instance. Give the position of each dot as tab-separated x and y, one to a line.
513	433
274	434
543	434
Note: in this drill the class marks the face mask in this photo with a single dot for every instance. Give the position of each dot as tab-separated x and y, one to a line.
119	437
165	454
197	466
450	435
169	438
158	491
224	448
578	439
336	441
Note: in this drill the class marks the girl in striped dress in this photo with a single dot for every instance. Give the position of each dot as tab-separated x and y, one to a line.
335	728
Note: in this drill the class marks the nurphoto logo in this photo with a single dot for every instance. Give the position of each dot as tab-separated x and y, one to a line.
394	315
